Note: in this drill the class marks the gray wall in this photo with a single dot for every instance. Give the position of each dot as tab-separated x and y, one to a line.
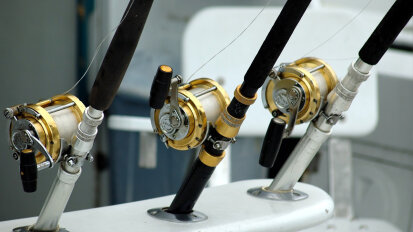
37	61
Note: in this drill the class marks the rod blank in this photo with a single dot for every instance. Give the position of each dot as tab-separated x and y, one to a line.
386	32
273	45
119	54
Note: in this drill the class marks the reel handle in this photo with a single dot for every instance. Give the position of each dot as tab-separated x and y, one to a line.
272	142
28	170
160	87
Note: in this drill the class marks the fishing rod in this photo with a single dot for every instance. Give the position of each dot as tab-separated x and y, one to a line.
337	102
170	115
60	130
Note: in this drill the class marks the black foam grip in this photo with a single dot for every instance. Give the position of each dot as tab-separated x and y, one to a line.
191	188
272	142
119	54
28	171
160	87
237	109
273	45
386	32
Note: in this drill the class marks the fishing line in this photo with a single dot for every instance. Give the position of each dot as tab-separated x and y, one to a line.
341	58
221	50
230	43
312	50
98	49
339	30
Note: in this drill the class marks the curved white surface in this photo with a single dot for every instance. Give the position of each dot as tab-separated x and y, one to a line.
211	29
129	123
228	207
347	225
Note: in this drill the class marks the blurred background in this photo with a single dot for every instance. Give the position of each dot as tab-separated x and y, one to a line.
45	46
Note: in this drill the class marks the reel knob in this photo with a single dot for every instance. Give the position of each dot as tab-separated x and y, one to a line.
28	170
160	87
272	142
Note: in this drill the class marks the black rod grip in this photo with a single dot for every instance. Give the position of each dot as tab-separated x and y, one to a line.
160	87
28	170
272	142
386	32
273	45
191	188
119	54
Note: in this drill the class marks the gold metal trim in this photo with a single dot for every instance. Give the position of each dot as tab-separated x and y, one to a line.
244	100
166	68
210	160
228	126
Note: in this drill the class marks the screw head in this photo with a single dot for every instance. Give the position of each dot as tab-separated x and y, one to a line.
71	162
90	157
15	156
8	113
272	74
217	146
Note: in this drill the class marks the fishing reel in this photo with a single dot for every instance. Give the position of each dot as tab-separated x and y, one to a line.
182	113
294	93
40	133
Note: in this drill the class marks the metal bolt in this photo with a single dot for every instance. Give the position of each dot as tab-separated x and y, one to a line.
8	113
274	114
90	157
272	74
179	79
71	162
217	146
15	156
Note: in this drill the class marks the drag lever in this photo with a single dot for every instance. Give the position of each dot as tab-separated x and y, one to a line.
28	170
160	87
174	110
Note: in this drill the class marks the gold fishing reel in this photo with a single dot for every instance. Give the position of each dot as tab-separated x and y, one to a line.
46	127
297	91
188	111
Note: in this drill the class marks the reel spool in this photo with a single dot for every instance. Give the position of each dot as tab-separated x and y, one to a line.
185	117
303	84
46	127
